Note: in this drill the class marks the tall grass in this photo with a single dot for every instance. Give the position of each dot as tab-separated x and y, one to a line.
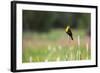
44	47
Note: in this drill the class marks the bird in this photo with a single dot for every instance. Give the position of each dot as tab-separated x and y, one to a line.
69	32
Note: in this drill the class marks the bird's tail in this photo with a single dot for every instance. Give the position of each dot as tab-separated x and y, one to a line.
72	37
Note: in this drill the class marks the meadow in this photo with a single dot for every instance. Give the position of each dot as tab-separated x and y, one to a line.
55	45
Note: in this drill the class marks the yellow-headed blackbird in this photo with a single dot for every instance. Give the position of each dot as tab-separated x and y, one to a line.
68	31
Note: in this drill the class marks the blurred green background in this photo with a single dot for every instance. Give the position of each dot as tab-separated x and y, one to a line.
44	21
44	37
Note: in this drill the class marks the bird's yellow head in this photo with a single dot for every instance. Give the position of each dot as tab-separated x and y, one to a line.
67	28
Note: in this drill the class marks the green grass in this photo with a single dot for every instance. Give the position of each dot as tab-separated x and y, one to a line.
41	53
65	54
